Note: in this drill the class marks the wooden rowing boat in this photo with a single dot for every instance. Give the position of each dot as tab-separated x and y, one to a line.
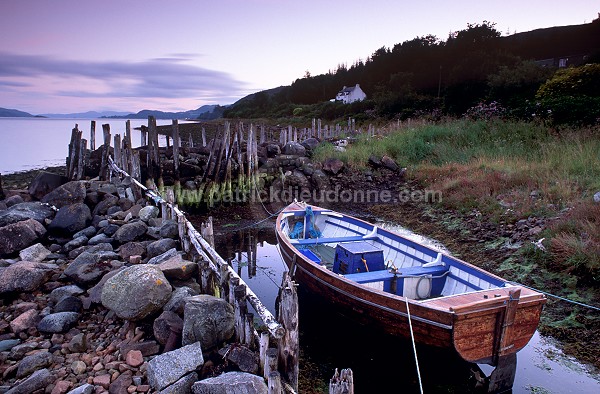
381	278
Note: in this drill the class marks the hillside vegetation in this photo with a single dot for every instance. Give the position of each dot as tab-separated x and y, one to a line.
430	77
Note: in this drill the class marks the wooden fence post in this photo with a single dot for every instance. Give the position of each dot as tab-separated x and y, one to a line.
93	136
274	383
271	363
176	144
289	344
117	149
105	152
81	159
73	153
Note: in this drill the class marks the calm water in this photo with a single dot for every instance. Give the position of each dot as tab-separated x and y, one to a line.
330	341
32	143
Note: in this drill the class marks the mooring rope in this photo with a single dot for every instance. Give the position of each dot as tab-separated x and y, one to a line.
412	337
558	297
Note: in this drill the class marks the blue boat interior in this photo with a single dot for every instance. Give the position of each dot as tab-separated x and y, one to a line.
380	259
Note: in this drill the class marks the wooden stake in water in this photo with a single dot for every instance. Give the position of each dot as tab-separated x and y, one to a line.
93	136
105	152
176	143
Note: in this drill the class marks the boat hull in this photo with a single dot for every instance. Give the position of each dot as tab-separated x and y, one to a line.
481	328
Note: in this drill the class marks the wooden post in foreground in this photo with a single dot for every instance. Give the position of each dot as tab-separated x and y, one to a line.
289	344
342	383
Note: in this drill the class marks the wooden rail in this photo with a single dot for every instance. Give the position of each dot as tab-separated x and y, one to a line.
279	365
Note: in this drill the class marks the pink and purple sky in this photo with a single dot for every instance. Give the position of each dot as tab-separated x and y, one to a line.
126	55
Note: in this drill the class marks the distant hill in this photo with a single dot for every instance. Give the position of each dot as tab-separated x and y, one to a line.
86	115
191	114
14	113
205	112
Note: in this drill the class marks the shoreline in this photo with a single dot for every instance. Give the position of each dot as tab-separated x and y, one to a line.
20	180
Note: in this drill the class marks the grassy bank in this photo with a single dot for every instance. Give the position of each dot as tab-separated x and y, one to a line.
500	174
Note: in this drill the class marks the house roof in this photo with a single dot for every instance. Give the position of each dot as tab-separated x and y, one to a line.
348	89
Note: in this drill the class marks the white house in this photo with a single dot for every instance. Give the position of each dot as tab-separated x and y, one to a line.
351	94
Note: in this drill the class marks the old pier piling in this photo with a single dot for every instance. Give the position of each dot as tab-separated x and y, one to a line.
210	164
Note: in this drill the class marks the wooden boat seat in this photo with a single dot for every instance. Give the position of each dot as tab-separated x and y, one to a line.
383	275
371	276
327	240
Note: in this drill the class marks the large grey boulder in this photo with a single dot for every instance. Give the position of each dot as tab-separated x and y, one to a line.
25	276
34	362
136	292
58	322
161	246
70	193
89	267
208	320
182	386
148	212
294	148
130	232
231	382
177	301
83	389
26	210
17	236
45	182
103	206
36	252
38	380
169	254
71	218
176	268
167	368
65	291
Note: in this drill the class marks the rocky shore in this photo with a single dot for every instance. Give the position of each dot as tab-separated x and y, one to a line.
97	296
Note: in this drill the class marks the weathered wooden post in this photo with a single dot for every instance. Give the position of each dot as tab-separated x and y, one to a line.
289	344
203	137
274	383
262	350
319	135
117	149
176	145
73	153
263	134
93	136
105	152
206	230
271	362
81	159
342	383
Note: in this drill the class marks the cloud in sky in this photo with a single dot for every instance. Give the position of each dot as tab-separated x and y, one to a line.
173	79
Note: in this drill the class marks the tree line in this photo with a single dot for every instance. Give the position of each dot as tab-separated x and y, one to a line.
474	70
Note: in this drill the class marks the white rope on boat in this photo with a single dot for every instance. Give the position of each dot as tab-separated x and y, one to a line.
412	337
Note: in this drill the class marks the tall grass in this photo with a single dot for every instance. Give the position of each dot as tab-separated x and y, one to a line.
562	164
508	171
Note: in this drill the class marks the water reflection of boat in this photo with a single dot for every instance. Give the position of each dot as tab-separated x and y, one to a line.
379	278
